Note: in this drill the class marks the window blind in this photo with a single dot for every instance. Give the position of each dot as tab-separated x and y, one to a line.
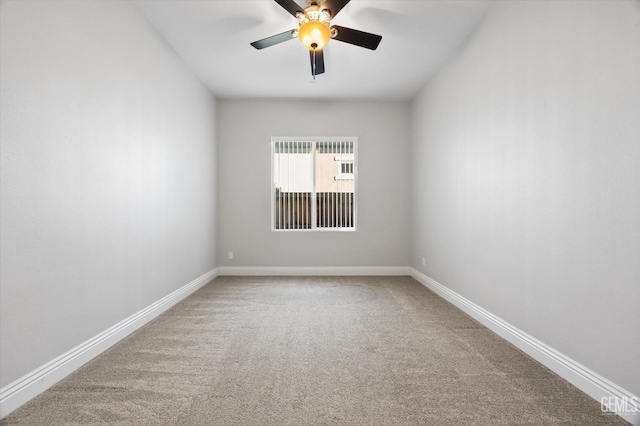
314	183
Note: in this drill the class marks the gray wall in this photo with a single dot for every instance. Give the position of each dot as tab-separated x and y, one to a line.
526	177
244	183
108	175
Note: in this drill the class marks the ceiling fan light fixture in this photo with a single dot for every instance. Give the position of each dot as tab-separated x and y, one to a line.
314	34
315	30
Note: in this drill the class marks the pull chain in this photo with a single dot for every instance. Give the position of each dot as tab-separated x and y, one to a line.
314	46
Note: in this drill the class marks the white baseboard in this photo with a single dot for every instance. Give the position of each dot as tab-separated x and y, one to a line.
314	270
30	385
578	375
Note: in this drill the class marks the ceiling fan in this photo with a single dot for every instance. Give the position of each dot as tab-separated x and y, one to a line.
315	30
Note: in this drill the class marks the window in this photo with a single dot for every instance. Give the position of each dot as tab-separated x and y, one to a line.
313	183
346	168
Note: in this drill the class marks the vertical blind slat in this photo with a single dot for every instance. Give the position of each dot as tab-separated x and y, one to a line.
295	193
288	193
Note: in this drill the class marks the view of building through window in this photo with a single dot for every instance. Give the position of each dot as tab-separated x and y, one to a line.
314	183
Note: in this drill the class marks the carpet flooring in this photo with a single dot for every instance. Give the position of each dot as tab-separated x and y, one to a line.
312	351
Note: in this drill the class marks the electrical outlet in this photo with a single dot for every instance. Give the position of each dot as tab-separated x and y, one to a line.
230	255
424	261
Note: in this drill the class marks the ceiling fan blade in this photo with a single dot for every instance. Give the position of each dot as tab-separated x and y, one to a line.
319	62
334	6
290	6
358	38
274	39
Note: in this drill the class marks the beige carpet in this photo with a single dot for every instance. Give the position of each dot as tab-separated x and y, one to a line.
312	351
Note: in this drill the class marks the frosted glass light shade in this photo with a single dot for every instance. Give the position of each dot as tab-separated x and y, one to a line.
314	34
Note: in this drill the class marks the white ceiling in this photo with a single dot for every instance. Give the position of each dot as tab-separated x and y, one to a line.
213	36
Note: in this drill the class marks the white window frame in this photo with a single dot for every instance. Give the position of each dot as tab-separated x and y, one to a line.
314	140
344	176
